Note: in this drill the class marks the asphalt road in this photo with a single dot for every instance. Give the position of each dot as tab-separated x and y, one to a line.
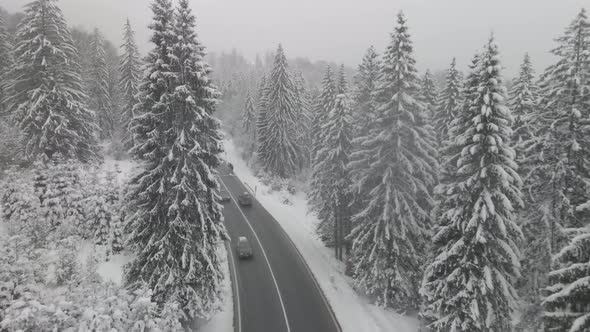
276	291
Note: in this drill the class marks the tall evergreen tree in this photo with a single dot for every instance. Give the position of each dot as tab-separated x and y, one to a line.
396	166
175	226
280	148
523	102
129	77
304	120
448	103
322	106
565	87
429	93
323	103
249	121
364	85
5	61
261	128
332	166
45	95
536	249
99	97
568	305
470	282
342	85
249	115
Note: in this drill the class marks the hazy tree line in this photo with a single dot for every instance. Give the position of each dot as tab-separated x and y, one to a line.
467	202
66	95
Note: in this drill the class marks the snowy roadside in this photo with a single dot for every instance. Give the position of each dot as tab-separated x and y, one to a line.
223	321
112	270
354	312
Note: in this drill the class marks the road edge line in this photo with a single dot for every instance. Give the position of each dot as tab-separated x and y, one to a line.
236	290
263	253
304	262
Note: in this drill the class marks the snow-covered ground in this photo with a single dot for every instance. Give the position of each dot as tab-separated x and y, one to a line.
354	311
223	321
112	270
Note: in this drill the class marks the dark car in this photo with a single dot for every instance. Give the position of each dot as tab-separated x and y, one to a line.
225	197
244	248
245	199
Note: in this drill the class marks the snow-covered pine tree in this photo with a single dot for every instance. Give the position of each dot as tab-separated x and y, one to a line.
318	195
5	61
429	93
396	165
129	77
322	106
249	117
333	158
568	305
342	85
175	226
565	88
98	90
304	120
523	103
261	128
536	249
449	102
281	146
365	82
449	156
470	282
46	98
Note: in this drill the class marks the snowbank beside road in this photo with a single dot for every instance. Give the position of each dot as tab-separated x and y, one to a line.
354	312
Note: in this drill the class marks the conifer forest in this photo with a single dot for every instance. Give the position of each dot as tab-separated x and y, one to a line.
293	181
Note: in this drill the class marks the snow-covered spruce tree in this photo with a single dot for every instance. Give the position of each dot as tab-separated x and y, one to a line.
449	156
470	282
318	195
322	106
129	77
449	101
5	62
304	120
342	84
99	98
568	305
281	146
175	221
523	103
333	158
365	82
396	166
565	88
536	249
262	106
249	117
46	98
429	93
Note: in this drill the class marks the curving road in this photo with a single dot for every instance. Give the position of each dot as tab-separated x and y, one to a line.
275	289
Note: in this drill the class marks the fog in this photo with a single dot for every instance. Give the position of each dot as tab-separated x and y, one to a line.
341	30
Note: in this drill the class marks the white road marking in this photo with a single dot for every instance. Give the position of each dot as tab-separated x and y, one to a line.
263	253
307	268
229	248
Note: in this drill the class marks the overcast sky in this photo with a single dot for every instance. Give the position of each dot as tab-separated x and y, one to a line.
341	30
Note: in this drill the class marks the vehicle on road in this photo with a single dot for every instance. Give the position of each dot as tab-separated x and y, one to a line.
244	248
245	199
224	196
